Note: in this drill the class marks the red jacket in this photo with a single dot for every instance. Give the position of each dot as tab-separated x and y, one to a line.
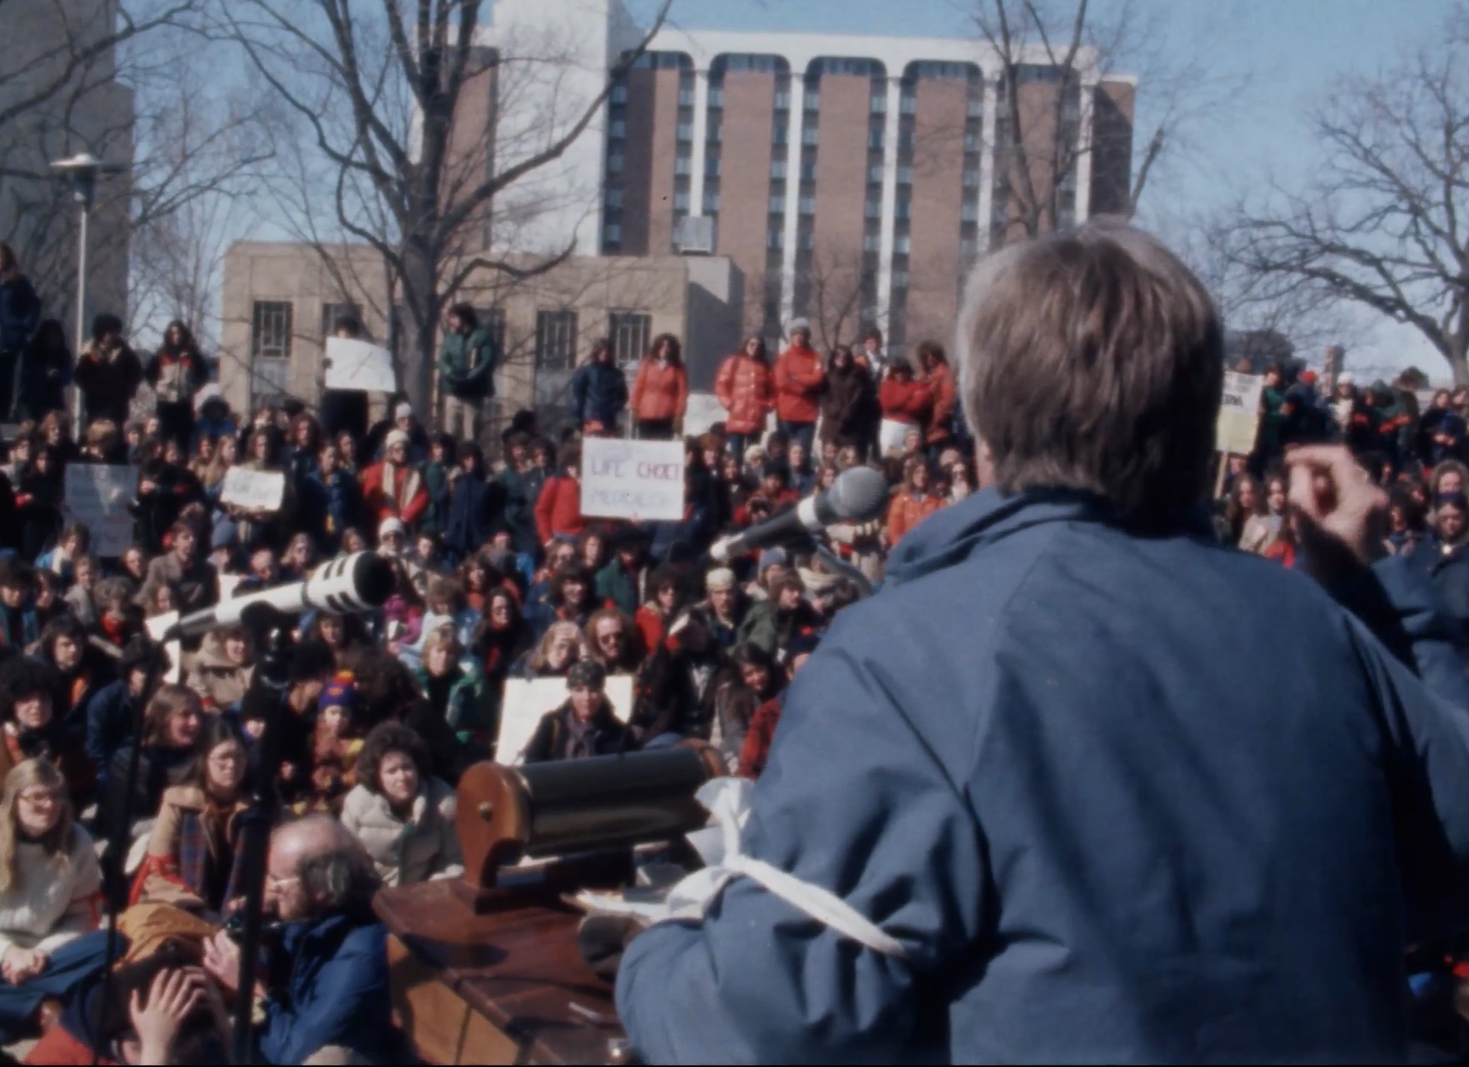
746	388
558	511
756	751
909	402
661	391
406	498
799	377
650	624
941	381
906	512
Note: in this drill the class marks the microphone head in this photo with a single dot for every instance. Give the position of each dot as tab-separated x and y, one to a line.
858	495
373	578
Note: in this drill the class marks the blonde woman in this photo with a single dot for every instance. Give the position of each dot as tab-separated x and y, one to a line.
50	896
561	646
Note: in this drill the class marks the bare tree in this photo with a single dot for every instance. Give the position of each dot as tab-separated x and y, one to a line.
378	85
1381	224
834	287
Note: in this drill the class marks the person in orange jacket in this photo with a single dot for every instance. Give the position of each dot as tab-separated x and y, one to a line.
661	393
934	363
558	510
799	379
913	503
746	387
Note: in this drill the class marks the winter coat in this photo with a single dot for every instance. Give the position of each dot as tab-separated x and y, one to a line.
177	374
110	716
907	510
617	587
907	401
773	630
422	847
155	511
746	388
467	364
195	589
20	313
1052	805
847	406
945	400
661	392
799	377
471	513
219	681
108	382
559	509
189	861
521	492
471	707
1448	569
394	492
555	737
54	899
42	379
598	394
436	483
329	506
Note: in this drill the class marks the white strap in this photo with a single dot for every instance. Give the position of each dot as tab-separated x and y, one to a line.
821	904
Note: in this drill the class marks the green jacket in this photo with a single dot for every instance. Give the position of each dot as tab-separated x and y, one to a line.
467	364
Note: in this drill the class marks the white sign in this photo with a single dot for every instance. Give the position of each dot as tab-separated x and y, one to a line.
98	496
703	412
253	490
640	480
527	700
891	434
352	364
1239	413
157	626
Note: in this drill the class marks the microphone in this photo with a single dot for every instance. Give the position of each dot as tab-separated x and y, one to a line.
356	583
858	495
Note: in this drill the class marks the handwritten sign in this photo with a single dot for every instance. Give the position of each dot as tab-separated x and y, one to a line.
353	364
632	479
527	700
253	490
891	436
1239	413
99	496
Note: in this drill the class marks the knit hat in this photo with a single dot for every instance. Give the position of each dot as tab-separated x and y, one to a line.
770	557
798	324
403	411
719	578
391	525
340	692
1346	378
586	673
395	437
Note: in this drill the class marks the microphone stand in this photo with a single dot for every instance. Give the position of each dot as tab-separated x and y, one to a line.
271	630
845	569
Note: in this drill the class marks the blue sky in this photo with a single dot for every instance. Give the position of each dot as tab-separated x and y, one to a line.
1285	53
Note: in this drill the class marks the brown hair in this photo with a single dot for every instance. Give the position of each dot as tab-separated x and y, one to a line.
1094	360
169	701
386	737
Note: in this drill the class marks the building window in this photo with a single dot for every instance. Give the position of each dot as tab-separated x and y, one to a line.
711	166
976	107
777	205
612	233
971	142
683	166
967	248
905	175
879	104
971	179
716	96
871	243
969	212
716	133
614	164
751	63
614	198
685	131
629	332
330	313
618	130
908	104
902	244
555	340
685	98
711	203
779	135
903	209
270	330
680	201
808	135
808	205
619	94
874	174
812	101
778	170
783	100
775	237
875	140
874	209
900	279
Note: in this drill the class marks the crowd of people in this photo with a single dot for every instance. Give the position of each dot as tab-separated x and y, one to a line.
498	577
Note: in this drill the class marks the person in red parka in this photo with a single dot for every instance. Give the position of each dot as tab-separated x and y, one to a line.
558	511
395	488
934	363
661	393
799	379
746	387
905	399
913	503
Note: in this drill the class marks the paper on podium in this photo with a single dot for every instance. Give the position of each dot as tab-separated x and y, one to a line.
353	364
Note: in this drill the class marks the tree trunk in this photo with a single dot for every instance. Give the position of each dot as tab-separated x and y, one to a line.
420	331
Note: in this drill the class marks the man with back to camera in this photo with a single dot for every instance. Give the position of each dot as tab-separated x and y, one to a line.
1095	787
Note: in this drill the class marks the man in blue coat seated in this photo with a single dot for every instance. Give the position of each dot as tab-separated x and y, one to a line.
326	979
1085	784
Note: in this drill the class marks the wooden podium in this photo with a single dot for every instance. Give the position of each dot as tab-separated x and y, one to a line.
486	969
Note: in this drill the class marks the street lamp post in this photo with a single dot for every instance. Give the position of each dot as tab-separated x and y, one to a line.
83	170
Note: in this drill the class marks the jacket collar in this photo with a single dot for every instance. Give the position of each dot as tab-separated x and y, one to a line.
950	535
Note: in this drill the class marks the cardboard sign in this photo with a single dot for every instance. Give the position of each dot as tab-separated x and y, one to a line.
157	626
640	480
891	434
99	496
703	412
527	700
352	364
253	490
1239	413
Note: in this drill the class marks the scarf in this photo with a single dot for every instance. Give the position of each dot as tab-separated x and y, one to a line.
582	739
401	495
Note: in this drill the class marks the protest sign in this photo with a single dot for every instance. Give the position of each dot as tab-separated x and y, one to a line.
157	626
703	412
526	700
253	490
1239	413
99	495
352	364
890	436
632	479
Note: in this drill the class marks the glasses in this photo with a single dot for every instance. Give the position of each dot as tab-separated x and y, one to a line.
38	798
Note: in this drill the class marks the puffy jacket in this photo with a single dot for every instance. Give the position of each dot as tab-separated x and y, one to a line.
598	394
799	377
909	402
467	364
406	498
407	851
20	313
746	388
558	511
330	506
471	506
907	511
661	391
176	374
1200	792
108	384
219	681
945	400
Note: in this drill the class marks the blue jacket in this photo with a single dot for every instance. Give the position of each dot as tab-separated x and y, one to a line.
1450	575
20	314
1121	799
328	985
467	528
329	507
598	393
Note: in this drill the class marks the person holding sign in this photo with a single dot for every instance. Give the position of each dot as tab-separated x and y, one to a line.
467	361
